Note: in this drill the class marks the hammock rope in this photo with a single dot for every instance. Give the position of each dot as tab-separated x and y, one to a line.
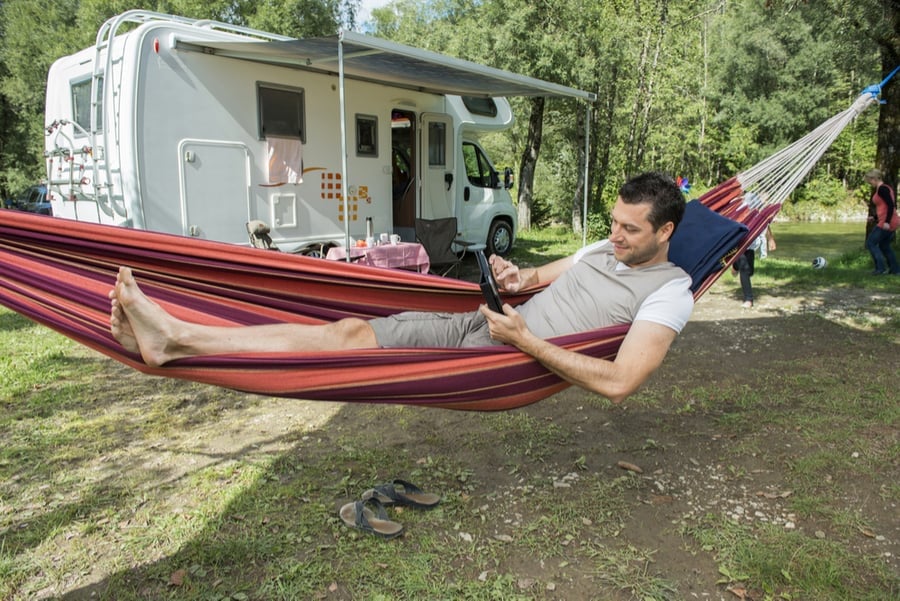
58	273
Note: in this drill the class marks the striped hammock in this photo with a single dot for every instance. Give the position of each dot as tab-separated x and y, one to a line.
58	273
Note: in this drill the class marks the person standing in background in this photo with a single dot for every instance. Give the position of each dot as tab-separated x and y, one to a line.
745	264
887	219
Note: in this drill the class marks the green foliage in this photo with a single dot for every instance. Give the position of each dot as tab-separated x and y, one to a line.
822	191
297	18
23	70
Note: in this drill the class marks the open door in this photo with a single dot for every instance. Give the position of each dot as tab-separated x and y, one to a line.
404	155
437	170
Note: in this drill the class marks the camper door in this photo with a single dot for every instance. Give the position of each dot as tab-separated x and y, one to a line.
436	166
215	189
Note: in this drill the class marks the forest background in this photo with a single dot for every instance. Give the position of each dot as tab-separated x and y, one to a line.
701	89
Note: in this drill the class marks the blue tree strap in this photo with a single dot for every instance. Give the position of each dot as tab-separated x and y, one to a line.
875	89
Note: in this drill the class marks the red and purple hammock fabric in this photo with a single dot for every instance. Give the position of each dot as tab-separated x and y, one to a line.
59	272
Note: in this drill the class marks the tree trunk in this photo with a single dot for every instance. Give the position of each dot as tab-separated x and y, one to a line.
639	99
580	183
602	139
529	161
887	153
651	80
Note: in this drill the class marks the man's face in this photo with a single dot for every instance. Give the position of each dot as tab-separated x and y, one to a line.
634	241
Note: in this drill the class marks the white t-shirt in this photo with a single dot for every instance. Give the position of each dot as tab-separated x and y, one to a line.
671	305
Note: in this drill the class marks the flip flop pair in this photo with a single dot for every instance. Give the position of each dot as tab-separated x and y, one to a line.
368	513
403	493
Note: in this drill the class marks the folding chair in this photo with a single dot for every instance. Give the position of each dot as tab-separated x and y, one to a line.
438	237
259	235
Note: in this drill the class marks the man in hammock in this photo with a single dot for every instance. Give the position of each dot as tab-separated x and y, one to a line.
625	279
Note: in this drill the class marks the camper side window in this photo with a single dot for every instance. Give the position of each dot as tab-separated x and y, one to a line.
478	167
281	112
480	106
366	136
81	106
437	144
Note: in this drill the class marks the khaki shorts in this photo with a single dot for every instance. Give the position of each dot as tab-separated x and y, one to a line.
437	330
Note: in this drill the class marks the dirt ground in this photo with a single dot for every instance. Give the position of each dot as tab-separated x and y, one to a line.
689	467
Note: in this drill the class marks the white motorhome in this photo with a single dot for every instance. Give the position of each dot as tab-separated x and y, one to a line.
198	127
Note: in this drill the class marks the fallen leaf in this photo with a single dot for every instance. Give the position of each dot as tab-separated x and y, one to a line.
630	467
867	532
661	499
775	495
332	587
177	577
738	591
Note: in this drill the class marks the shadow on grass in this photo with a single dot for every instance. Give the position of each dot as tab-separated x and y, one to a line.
11	322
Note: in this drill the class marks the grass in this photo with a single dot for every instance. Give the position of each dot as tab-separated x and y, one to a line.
115	485
788	565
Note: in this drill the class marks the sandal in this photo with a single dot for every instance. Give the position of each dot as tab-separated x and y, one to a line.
358	515
410	496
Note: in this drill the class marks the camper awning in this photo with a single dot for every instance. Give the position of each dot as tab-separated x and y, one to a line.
373	59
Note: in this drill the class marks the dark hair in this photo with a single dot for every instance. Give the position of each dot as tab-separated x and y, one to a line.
659	190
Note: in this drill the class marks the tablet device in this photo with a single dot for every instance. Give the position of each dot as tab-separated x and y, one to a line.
488	285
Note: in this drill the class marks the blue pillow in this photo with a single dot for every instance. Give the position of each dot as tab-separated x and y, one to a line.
702	240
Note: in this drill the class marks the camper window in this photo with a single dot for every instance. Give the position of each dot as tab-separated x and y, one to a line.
478	167
485	107
437	144
281	112
366	136
81	106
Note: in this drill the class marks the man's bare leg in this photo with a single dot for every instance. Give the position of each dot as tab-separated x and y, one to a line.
139	324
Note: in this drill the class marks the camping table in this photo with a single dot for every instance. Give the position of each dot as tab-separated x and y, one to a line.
405	255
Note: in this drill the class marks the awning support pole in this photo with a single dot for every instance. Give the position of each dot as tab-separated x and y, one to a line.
587	134
345	188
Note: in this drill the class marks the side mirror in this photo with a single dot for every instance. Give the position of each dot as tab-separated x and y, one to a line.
508	179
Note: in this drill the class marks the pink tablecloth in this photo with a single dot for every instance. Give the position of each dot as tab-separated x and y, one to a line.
406	255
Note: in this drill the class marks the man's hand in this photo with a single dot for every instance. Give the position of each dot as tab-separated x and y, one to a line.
506	274
511	279
507	327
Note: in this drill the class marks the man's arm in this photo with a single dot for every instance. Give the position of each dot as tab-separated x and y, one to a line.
512	279
641	353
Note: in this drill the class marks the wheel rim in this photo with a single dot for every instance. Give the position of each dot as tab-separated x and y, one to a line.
501	240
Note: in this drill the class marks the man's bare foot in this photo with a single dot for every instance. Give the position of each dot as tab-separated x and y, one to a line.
119	326
136	321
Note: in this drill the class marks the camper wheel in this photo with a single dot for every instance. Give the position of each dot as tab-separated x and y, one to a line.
500	237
